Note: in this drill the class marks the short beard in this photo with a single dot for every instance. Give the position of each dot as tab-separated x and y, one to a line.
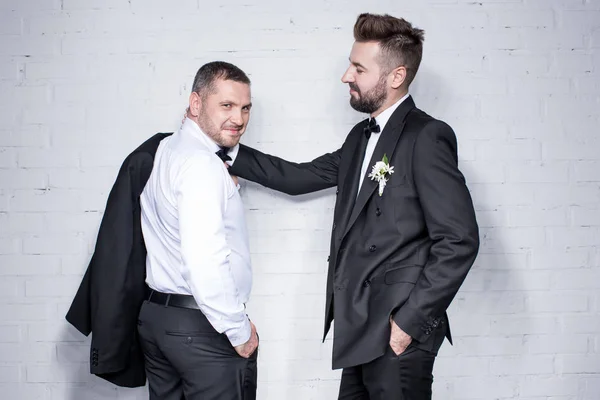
214	132
372	100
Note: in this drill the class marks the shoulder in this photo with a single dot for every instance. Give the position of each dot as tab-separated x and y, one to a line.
430	129
355	133
136	168
203	171
203	163
359	127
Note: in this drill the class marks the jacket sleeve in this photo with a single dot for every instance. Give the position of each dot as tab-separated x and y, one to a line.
451	224
285	176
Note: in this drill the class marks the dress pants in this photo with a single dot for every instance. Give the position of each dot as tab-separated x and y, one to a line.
187	359
390	377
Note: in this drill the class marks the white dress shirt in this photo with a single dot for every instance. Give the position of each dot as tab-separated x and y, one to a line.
382	120
195	233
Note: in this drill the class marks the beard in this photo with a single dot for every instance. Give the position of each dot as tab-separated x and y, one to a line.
216	133
370	101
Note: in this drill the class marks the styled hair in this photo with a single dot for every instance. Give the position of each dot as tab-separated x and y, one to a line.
400	42
208	74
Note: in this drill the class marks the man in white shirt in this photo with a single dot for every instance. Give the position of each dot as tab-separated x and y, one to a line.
197	340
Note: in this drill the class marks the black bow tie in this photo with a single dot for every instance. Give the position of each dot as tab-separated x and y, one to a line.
222	154
372	127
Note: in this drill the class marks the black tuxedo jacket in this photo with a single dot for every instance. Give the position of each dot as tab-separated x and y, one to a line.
402	255
112	290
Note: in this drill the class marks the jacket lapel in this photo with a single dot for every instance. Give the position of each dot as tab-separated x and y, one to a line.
350	186
386	145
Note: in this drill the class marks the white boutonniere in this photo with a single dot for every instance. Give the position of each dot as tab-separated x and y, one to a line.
381	172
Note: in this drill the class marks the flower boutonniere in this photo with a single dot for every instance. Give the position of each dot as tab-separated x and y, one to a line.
381	172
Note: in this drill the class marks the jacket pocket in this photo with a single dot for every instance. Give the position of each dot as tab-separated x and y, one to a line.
193	333
402	274
399	274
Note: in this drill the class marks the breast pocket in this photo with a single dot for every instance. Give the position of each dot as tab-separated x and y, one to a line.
396	180
399	190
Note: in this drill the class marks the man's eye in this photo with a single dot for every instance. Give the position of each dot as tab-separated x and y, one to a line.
359	71
227	105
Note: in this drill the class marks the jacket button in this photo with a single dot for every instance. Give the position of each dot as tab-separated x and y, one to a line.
378	212
372	248
366	283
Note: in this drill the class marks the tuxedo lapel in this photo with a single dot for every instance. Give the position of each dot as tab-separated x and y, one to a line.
348	191
386	145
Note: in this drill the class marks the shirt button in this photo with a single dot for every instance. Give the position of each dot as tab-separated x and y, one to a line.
378	212
334	226
372	248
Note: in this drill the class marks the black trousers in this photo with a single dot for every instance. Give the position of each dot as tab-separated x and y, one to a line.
390	377
187	359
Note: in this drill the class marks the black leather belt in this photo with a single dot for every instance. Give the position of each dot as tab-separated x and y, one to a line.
172	300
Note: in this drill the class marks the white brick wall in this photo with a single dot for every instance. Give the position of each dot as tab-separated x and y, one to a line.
83	82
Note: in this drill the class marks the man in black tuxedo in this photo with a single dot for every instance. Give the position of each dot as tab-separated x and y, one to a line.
404	229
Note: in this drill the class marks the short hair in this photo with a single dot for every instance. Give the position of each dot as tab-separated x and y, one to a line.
208	74
400	42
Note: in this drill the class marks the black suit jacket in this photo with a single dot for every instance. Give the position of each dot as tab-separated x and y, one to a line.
112	290
403	254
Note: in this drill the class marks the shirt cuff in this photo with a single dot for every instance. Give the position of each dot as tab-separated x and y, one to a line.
239	335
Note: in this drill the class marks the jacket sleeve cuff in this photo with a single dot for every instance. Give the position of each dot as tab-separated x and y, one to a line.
239	335
414	323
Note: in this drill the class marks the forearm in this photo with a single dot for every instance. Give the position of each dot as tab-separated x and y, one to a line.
214	289
450	261
285	176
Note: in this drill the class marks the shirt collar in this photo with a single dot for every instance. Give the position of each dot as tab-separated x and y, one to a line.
383	118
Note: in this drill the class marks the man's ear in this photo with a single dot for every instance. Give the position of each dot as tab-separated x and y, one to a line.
398	76
195	104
